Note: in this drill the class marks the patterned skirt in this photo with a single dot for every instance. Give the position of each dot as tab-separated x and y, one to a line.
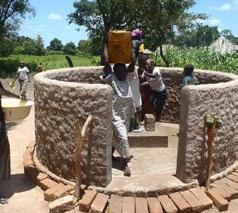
5	171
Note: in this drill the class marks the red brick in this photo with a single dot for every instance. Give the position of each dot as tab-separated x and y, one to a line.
220	202
180	202
235	173
193	201
167	204
154	205
46	184
233	178
115	204
64	190
31	171
201	195
99	203
221	191
128	205
87	199
141	205
49	193
230	183
41	176
226	187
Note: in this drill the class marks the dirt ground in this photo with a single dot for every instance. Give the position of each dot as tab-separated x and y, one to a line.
24	196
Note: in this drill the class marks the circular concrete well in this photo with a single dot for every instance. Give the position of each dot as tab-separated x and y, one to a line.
65	96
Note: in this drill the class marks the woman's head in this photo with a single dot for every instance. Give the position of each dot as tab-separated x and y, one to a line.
22	64
149	65
188	70
137	33
120	71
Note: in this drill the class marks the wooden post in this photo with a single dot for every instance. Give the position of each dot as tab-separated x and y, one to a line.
210	140
78	154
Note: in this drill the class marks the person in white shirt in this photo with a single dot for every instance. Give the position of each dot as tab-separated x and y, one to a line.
154	79
23	79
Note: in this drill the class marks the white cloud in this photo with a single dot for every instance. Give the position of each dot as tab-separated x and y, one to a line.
54	16
224	7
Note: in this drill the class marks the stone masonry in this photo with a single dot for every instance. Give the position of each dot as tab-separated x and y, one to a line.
61	100
220	100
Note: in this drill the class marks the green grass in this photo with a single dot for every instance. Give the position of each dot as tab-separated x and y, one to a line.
9	65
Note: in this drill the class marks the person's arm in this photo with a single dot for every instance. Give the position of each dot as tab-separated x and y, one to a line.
150	75
144	83
15	78
28	74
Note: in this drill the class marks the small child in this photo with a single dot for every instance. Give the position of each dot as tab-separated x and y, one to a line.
189	78
122	110
154	79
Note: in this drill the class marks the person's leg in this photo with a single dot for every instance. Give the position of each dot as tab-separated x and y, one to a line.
23	89
159	103
4	159
121	144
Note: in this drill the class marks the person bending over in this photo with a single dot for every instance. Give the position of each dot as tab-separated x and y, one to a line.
154	79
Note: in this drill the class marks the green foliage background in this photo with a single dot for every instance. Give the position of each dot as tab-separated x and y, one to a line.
201	58
9	65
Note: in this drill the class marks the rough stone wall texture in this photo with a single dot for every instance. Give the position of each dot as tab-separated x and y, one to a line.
58	106
214	99
173	78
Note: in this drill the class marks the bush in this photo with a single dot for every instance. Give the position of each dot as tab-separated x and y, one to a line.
201	58
52	52
6	47
70	49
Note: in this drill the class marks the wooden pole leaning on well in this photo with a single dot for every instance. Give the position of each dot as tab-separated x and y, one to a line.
210	124
210	140
78	154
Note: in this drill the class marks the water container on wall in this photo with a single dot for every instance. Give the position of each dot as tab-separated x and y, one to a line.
119	47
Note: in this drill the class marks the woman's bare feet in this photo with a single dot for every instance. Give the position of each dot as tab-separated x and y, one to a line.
127	171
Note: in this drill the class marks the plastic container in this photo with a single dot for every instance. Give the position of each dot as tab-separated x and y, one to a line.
119	47
15	109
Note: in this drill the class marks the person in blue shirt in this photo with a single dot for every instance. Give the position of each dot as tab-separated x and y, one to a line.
188	77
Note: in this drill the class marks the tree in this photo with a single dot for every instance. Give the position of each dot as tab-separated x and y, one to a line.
39	46
228	34
156	17
70	49
6	47
100	16
55	45
10	13
162	19
34	46
85	46
202	35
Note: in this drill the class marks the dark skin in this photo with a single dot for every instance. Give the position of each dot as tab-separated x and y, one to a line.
148	70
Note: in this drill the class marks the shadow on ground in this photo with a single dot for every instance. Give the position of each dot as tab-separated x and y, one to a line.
18	183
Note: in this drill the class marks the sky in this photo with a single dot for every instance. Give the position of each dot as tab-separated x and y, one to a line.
51	19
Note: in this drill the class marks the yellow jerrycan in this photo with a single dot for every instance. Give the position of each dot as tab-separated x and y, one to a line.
119	46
